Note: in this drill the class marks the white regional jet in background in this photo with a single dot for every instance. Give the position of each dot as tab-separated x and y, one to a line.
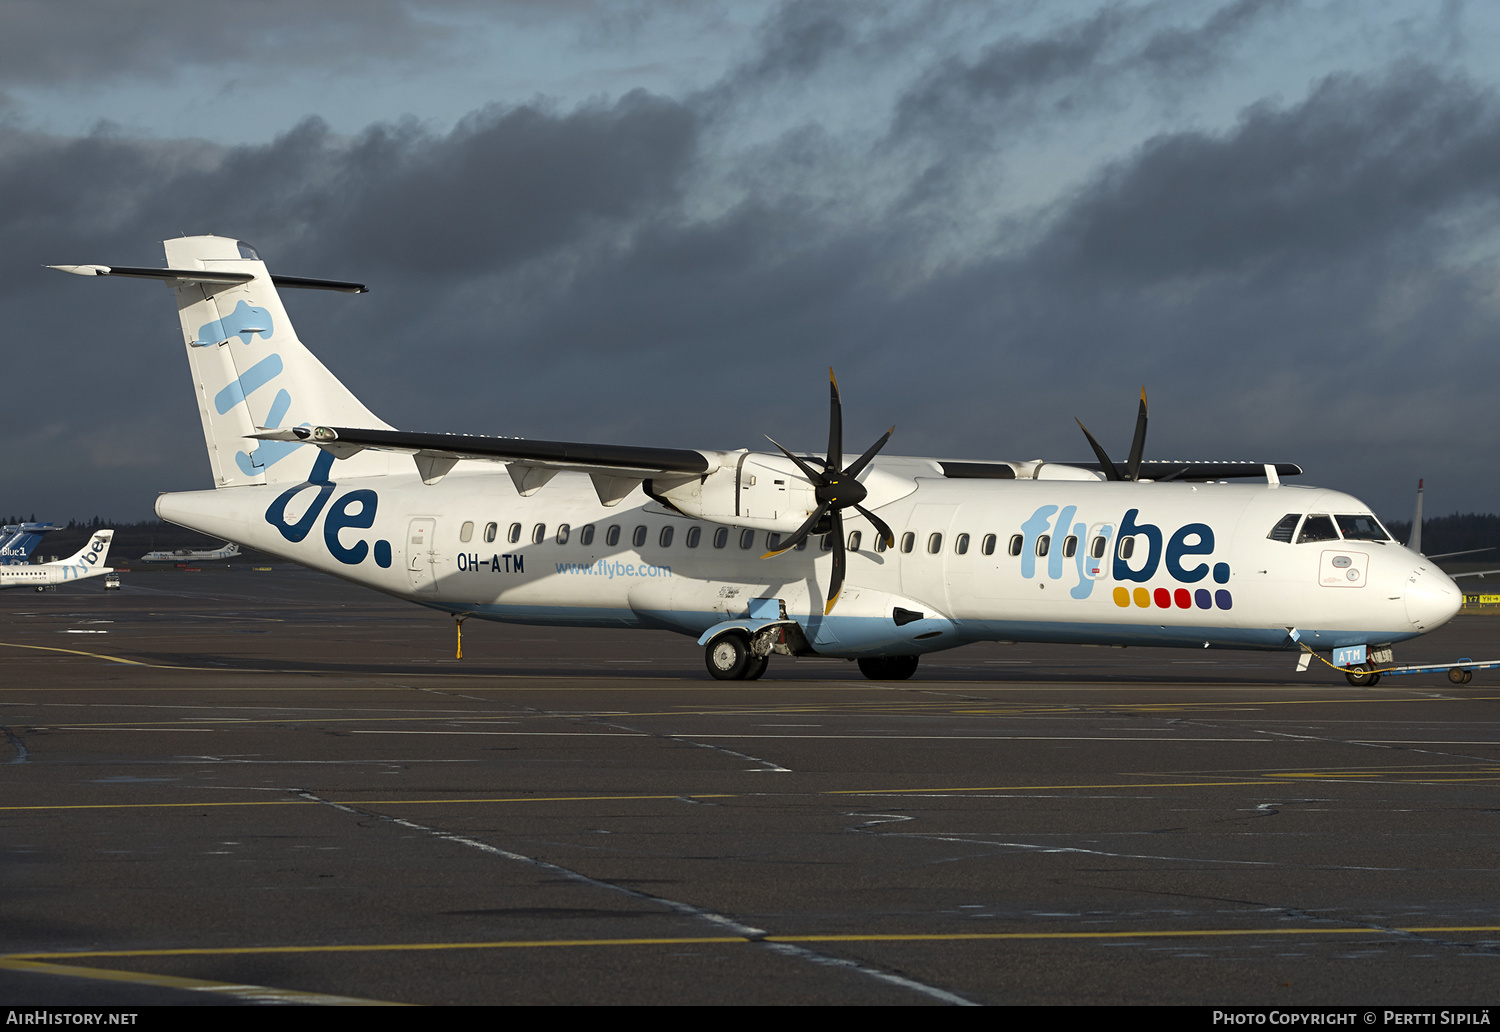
189	555
88	561
755	553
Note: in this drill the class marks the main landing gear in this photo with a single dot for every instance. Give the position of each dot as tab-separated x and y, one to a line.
730	658
888	668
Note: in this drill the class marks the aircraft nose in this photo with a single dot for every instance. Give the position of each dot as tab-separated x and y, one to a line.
1432	599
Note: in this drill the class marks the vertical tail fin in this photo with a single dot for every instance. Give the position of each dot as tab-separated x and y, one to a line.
251	372
91	555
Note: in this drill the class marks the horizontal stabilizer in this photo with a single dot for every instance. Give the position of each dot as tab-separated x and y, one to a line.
174	277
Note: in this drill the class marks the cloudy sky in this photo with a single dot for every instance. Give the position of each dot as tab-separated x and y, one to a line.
659	223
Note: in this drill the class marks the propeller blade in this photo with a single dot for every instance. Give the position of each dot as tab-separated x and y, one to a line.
802	532
864	460
836	583
1110	472
1137	446
835	425
880	525
807	471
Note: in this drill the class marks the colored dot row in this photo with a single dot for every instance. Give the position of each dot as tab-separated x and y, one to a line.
1182	598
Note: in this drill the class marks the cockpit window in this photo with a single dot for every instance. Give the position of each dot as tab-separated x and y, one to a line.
246	251
1363	527
1285	528
1317	527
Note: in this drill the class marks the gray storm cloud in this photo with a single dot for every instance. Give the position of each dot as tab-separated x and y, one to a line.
1311	281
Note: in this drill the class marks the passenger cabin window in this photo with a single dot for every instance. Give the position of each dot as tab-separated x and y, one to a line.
638	537
1127	547
1317	527
961	544
987	546
1016	543
1043	544
773	542
1070	546
934	544
515	533
1097	548
1285	528
908	541
466	532
563	531
538	533
721	537
880	545
826	542
747	539
586	535
490	530
854	540
666	537
1363	527
694	535
612	535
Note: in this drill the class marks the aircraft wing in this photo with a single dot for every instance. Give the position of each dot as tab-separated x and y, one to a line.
615	469
1155	470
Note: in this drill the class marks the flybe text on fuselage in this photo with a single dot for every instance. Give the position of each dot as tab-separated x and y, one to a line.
1097	550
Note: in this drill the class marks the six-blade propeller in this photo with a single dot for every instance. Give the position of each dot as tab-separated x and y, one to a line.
836	488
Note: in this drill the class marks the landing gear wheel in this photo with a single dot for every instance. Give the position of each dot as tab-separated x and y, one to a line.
729	657
888	668
1460	676
756	667
1361	676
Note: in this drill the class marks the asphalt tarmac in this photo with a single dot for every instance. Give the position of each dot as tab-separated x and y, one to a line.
230	787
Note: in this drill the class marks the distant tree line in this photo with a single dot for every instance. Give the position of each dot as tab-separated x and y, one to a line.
1458	532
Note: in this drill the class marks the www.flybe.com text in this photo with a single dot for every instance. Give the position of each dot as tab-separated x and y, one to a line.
612	568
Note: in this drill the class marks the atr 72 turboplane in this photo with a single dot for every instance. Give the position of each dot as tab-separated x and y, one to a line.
757	553
88	561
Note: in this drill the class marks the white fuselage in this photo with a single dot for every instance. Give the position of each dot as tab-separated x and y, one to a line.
1203	571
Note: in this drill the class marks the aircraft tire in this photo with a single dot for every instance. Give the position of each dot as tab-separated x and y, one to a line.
756	667
729	657
888	668
1361	676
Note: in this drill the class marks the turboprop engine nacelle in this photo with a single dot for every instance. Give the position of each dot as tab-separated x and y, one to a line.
766	491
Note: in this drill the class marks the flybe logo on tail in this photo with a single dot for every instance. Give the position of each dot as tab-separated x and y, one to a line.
244	322
1130	551
353	510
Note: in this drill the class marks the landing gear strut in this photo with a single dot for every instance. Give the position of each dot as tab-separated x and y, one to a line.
888	668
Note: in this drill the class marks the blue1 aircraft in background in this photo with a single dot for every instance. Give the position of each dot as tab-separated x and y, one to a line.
19	540
756	553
